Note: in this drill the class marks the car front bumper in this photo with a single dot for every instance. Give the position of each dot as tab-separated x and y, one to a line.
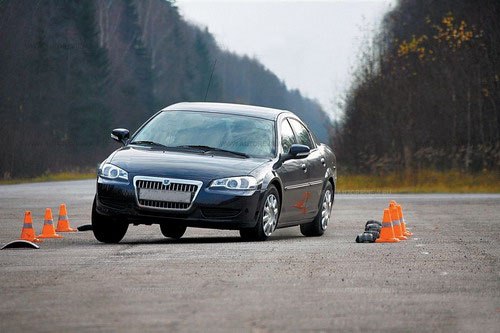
210	209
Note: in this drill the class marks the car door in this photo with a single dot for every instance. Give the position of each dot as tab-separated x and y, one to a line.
316	166
293	174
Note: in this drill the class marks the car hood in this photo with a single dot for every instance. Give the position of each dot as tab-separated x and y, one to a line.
182	165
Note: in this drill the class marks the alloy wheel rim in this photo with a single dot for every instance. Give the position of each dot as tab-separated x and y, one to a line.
270	217
326	209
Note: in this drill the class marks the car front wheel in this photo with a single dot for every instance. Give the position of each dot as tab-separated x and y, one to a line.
107	229
320	223
268	219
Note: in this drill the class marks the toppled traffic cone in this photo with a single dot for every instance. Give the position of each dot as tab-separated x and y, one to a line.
365	237
20	244
406	232
387	231
396	223
375	234
371	233
28	233
373	227
48	230
62	221
373	222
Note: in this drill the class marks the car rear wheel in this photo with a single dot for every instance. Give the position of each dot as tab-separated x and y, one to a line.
174	231
320	223
268	219
107	229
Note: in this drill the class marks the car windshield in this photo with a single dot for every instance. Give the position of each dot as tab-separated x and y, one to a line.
245	135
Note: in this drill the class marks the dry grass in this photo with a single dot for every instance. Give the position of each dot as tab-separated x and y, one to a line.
420	182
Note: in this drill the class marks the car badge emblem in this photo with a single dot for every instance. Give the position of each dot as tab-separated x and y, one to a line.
166	182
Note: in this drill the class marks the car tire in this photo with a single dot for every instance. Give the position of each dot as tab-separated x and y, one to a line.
175	231
318	226
107	229
268	219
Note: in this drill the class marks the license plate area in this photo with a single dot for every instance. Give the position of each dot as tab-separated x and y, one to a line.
166	196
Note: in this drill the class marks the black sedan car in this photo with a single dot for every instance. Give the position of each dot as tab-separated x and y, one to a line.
215	165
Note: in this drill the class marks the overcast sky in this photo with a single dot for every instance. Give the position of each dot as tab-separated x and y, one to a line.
310	45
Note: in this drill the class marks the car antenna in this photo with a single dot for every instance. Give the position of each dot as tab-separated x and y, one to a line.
210	80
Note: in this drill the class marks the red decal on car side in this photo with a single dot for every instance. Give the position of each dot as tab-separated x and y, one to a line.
302	203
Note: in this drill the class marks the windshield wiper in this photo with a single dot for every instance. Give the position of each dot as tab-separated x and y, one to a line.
207	149
149	143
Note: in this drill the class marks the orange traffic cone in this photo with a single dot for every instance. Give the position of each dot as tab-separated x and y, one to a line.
62	221
403	222
396	223
401	219
28	233
387	231
48	226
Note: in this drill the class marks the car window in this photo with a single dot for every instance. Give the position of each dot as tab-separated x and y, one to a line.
249	135
303	136
287	136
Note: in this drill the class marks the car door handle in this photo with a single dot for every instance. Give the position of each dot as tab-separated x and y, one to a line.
323	161
304	167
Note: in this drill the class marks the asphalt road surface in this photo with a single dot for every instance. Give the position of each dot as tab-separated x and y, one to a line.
445	279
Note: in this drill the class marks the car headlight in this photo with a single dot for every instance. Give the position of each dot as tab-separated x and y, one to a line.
111	171
244	183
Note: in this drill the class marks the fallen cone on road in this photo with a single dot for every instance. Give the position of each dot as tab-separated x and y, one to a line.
20	244
371	233
365	237
376	234
48	230
373	227
373	222
28	233
62	221
396	223
387	231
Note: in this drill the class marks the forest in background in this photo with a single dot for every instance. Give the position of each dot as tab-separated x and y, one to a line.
426	95
73	70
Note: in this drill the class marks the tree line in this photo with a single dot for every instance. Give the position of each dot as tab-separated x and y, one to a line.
426	94
73	70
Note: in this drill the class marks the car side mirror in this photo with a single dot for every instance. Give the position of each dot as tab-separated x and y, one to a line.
121	135
297	152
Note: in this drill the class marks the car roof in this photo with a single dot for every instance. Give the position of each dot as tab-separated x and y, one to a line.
238	109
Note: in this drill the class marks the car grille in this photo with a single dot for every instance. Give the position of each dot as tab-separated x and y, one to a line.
169	193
